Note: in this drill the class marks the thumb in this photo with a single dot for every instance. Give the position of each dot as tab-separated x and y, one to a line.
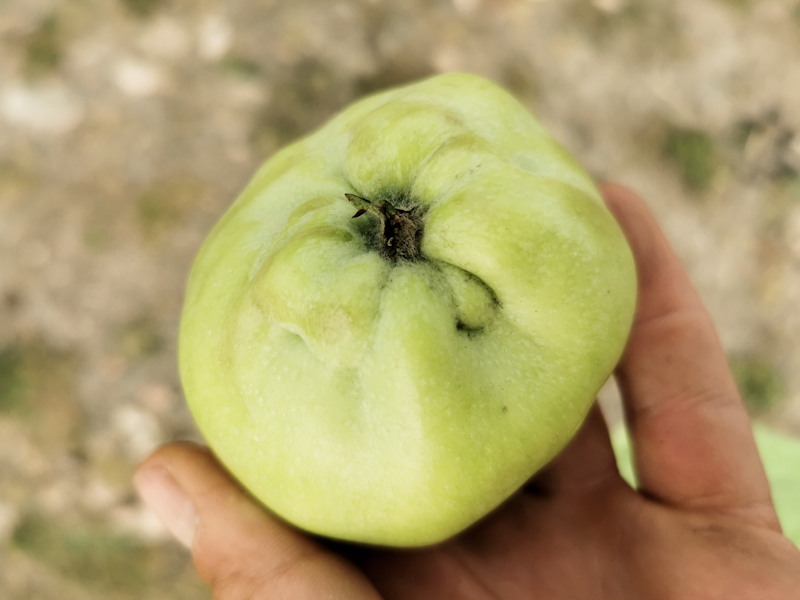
238	548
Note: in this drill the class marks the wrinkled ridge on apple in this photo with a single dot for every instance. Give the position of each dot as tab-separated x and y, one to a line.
395	401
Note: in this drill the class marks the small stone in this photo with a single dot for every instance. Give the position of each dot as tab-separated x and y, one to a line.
9	517
138	78
466	7
608	6
138	430
50	109
165	38
99	495
214	37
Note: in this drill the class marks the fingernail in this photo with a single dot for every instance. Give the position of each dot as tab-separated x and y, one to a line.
168	500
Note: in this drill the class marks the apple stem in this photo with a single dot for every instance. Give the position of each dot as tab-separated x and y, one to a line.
402	229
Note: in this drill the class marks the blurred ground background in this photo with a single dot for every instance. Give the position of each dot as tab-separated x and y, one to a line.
128	126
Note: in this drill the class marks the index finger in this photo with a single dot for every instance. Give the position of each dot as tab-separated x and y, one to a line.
691	436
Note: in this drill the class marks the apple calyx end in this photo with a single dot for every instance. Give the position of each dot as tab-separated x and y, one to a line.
402	229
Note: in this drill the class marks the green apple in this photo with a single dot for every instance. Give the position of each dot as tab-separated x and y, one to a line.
392	378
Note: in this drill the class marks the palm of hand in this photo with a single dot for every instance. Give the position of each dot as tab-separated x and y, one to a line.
580	532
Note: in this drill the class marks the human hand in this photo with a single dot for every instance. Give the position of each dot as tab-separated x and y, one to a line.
700	526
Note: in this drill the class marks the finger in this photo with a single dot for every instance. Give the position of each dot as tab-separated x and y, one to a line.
693	445
586	464
238	548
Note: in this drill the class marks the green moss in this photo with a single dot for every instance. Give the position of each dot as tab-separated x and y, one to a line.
155	210
37	386
31	374
43	47
693	152
107	564
143	8
141	338
16	183
241	66
759	383
87	554
12	380
97	238
792	186
164	205
742	131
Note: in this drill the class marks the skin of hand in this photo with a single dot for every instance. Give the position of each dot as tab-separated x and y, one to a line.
701	525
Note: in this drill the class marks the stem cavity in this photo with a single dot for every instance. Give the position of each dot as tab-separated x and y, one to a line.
401	229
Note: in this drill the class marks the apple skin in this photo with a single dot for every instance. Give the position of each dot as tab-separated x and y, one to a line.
398	402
